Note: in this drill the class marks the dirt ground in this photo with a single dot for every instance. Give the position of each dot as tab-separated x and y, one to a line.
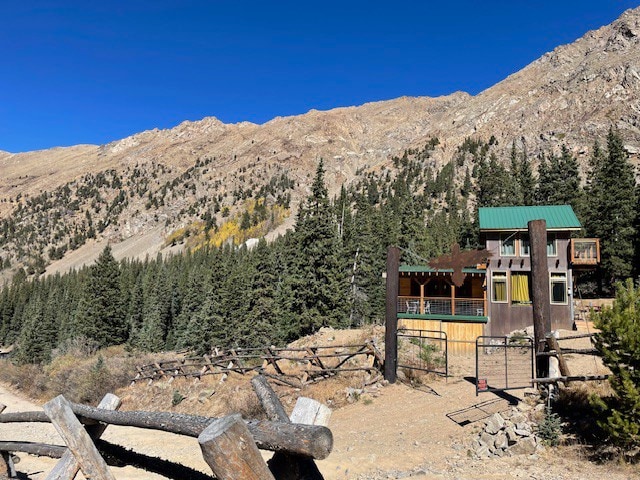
393	431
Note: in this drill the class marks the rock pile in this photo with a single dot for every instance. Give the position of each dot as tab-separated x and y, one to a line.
507	433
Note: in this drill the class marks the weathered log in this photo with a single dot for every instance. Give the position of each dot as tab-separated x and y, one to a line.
40	449
391	315
552	341
7	468
540	295
573	378
283	466
269	400
288	467
68	466
229	449
306	440
77	439
114	455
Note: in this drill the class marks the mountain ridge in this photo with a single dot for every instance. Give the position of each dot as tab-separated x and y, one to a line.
571	95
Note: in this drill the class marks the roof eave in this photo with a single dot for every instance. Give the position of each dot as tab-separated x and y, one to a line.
553	229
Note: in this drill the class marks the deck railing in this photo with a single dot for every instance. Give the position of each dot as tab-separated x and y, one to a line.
441	306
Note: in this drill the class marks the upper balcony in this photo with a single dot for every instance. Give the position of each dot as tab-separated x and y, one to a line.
584	252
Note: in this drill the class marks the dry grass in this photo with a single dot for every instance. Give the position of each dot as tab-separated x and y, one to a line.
580	417
80	376
84	375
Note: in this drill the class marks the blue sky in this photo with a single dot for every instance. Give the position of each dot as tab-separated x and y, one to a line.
91	72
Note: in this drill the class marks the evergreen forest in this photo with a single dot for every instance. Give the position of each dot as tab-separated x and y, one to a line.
327	271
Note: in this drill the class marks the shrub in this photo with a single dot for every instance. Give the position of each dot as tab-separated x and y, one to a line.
619	344
177	398
550	428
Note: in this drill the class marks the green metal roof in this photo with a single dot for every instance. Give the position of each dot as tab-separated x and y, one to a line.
558	217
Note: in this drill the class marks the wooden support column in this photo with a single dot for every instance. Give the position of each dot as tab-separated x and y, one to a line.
229	449
421	299
77	439
485	304
391	323
541	298
68	466
453	299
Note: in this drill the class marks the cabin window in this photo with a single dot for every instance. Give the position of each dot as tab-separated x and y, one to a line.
508	246
499	287
520	293
525	246
559	288
552	249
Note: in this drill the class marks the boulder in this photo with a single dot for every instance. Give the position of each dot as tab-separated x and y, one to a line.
494	424
525	446
501	441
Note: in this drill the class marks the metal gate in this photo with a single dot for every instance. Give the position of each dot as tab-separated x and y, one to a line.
423	350
504	363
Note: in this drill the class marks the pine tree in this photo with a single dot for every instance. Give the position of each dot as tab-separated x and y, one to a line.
320	261
101	316
618	345
493	184
516	194
526	180
559	182
258	327
611	211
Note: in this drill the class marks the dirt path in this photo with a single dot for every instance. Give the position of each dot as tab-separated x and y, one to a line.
396	433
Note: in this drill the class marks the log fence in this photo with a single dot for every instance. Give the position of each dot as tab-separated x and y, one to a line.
229	445
295	367
552	348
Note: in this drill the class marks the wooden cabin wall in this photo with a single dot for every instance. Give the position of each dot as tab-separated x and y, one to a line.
404	287
461	336
506	318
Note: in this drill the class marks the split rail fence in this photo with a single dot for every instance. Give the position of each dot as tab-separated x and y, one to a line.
229	445
295	367
553	349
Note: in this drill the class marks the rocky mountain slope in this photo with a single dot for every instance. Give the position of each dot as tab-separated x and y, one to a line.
163	180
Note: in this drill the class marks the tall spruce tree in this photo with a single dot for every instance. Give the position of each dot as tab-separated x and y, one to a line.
102	315
559	182
526	180
611	211
320	261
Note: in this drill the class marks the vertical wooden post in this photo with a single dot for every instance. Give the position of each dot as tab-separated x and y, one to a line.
541	298
391	323
67	467
453	299
421	299
77	439
231	452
